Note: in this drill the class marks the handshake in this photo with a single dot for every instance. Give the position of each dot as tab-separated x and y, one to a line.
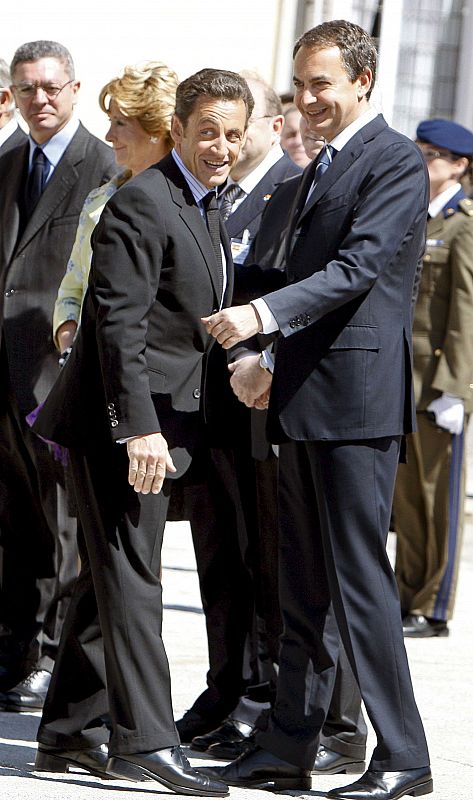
250	380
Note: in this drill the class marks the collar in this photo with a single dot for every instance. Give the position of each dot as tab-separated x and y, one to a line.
197	188
251	180
438	203
55	147
342	138
7	130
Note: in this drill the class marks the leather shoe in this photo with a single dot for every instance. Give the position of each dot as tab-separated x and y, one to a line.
93	760
193	724
229	751
259	769
29	694
167	766
328	762
416	626
229	731
386	785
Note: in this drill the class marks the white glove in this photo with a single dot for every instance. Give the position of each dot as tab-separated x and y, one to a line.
449	413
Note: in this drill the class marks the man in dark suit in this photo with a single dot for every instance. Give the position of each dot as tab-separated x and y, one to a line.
340	403
44	181
127	405
11	134
226	535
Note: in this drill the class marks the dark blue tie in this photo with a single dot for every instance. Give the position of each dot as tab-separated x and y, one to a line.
323	161
36	180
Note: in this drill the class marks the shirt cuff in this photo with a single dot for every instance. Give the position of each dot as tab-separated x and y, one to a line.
268	322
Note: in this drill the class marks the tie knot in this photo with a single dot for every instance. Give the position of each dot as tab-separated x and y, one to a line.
209	201
228	197
326	155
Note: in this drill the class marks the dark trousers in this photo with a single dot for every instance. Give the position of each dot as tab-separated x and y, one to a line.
335	505
112	670
38	537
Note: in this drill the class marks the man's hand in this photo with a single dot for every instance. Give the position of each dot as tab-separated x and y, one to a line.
233	325
149	461
249	381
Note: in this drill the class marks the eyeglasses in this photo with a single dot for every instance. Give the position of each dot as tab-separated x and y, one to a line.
430	154
51	91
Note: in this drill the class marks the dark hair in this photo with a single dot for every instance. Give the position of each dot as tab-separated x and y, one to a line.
43	48
357	48
216	83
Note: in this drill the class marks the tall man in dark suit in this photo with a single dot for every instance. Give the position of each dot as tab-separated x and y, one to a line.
44	182
340	402
135	376
11	134
226	534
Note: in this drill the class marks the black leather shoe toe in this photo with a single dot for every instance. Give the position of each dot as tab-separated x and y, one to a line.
416	626
229	731
328	762
93	760
169	767
386	785
229	751
30	694
259	769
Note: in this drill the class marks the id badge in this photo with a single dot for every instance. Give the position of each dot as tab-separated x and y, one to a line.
240	250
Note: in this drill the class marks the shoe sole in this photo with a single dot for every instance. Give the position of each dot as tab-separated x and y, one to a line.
49	762
353	768
274	784
125	770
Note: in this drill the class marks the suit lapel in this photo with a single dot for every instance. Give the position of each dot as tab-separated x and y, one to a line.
191	216
62	181
12	201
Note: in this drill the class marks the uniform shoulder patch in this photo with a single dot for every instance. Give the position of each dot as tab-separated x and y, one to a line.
466	206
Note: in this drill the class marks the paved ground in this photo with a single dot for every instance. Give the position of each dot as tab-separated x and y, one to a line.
442	671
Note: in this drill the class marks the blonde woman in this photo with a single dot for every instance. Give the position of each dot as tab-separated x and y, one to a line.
140	105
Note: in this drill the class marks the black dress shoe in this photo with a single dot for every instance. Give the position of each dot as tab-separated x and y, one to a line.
416	626
387	785
328	762
259	769
229	731
29	694
169	767
93	760
193	724
229	751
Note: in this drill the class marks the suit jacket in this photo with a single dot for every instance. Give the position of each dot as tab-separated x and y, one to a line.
136	365
343	361
247	215
443	317
33	260
18	137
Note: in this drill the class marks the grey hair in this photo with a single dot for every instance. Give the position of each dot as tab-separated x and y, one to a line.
5	82
43	48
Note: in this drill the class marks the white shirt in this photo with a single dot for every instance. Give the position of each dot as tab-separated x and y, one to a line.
438	203
250	181
7	130
268	322
56	146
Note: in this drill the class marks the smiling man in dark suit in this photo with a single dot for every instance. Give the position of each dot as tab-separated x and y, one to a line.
44	181
339	405
127	405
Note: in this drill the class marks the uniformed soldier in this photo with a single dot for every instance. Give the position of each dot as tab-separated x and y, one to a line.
430	488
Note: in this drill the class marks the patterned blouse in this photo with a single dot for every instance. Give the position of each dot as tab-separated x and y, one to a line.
74	284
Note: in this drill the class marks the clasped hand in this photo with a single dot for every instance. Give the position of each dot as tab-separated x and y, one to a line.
250	383
233	325
149	461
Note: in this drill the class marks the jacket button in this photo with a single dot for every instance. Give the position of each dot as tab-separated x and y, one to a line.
437	352
292	323
196	394
114	423
427	257
9	292
111	406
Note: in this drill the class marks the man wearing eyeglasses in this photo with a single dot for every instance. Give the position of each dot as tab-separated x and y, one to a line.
430	488
44	182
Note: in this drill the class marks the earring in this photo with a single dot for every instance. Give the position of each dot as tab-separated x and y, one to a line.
153	139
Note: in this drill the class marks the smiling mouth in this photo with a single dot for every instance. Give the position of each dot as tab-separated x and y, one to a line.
216	164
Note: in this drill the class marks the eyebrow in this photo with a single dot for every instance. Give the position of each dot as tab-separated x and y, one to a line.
314	79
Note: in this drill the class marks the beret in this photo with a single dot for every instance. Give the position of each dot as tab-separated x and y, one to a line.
446	134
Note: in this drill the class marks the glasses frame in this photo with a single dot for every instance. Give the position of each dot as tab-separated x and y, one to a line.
430	154
28	90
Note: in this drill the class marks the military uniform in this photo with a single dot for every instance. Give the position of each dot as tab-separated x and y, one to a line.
430	488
